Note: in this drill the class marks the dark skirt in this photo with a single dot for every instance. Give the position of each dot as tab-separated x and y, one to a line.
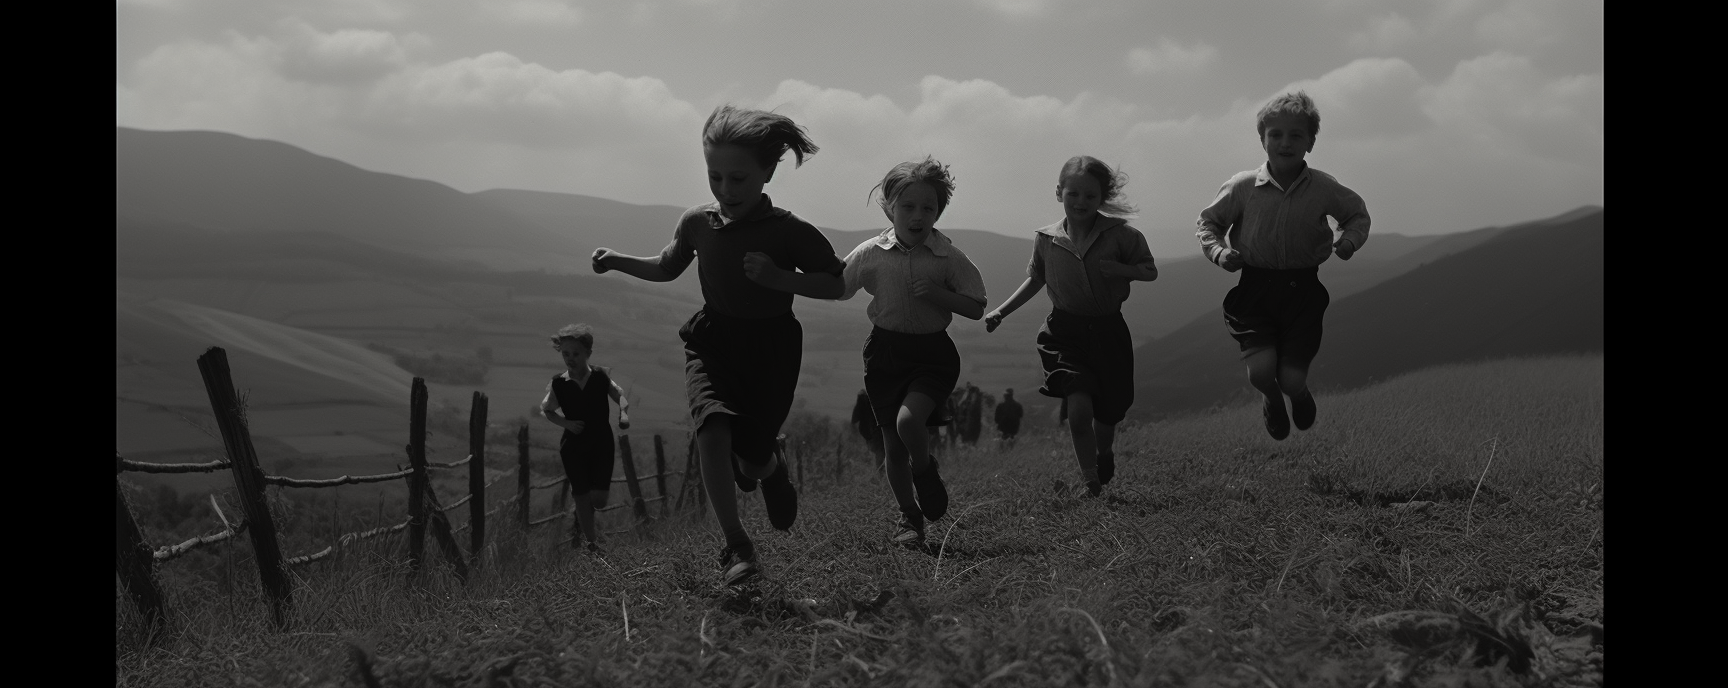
588	459
1278	308
745	368
1094	355
897	364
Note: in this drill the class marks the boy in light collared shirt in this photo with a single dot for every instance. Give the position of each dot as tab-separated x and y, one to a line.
1270	223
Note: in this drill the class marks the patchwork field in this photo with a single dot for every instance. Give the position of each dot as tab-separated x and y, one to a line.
1440	528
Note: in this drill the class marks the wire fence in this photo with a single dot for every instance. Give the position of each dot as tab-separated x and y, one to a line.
136	559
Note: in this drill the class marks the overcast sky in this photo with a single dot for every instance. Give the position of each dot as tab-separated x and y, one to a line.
1444	114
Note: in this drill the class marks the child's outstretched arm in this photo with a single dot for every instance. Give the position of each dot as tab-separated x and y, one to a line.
617	394
650	269
1214	225
816	285
963	306
1027	290
1352	215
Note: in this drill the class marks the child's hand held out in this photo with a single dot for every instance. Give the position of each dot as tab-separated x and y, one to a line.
1344	248
993	319
623	420
599	260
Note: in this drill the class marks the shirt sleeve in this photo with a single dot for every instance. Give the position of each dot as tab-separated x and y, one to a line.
963	276
678	254
550	403
1217	219
1135	250
812	253
1035	268
1351	212
856	274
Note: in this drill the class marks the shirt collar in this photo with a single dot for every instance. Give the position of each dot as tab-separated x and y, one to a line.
937	242
1263	176
764	209
1059	229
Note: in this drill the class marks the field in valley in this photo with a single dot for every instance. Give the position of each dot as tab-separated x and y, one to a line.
1217	557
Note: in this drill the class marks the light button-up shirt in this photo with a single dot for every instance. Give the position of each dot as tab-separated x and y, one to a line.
886	269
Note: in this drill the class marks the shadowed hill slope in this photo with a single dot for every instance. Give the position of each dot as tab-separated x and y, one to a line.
1529	289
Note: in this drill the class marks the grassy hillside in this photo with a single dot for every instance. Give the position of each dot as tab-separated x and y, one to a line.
1529	289
1217	557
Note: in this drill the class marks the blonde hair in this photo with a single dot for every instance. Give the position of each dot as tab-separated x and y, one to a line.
926	171
579	333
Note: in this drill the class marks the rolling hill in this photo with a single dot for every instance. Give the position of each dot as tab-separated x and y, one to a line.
1530	289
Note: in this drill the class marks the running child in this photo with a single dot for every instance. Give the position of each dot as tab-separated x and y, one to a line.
1270	223
918	280
1088	260
585	448
743	350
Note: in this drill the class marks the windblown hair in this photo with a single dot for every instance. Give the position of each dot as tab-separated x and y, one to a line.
1297	103
768	134
579	332
926	171
1110	182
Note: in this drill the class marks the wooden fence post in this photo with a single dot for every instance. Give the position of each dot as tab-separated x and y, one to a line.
416	483
522	475
477	477
696	470
134	559
248	478
660	475
630	477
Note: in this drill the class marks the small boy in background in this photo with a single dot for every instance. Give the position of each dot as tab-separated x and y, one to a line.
1270	223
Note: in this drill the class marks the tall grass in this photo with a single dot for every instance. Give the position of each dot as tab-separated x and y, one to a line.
1216	557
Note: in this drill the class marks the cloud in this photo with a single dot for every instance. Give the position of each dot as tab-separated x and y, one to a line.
1171	56
1495	140
1018	8
540	13
344	56
1384	34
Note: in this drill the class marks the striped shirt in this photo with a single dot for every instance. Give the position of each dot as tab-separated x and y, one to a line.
886	269
1070	271
1277	228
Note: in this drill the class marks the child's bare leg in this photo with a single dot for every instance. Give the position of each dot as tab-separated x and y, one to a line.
714	449
586	505
909	425
899	469
1292	379
1106	436
1263	370
1263	374
1085	440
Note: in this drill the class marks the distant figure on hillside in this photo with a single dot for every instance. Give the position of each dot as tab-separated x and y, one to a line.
1008	414
971	415
864	422
1088	260
585	448
743	350
1270	223
918	280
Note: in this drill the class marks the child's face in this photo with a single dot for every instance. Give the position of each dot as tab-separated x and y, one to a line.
914	213
1081	195
575	355
1287	141
735	178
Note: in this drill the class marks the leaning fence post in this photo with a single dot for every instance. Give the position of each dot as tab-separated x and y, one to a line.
416	482
696	470
630	477
134	559
477	477
660	475
522	475
248	477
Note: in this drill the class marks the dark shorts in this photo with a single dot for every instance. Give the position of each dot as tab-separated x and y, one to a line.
1280	309
745	368
588	461
1094	355
897	364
